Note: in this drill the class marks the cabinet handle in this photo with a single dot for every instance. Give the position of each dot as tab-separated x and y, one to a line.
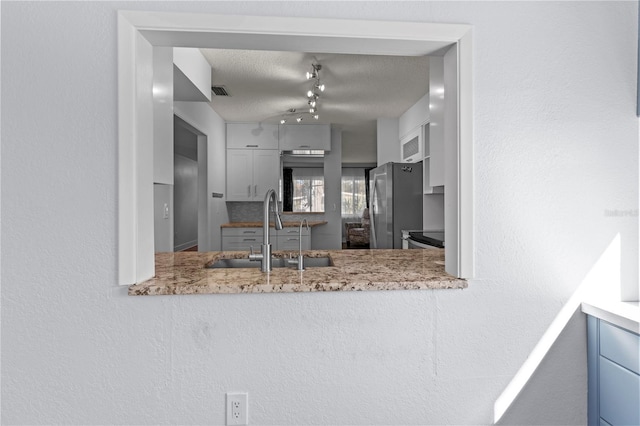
304	146
252	146
292	232
249	191
248	239
292	239
248	232
255	191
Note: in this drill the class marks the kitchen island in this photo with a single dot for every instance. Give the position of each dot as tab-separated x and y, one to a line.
352	270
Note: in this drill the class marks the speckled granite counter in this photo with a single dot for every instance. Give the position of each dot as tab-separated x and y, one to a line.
353	270
260	224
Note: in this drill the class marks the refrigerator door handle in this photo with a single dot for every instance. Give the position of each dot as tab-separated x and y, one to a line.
374	243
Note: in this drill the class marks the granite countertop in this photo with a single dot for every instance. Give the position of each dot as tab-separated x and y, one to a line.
260	224
353	270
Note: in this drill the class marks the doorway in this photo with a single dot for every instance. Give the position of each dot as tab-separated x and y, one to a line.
180	219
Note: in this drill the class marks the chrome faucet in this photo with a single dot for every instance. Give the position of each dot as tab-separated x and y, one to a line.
300	260
265	255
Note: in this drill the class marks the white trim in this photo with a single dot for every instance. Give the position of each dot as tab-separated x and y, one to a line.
272	33
466	239
127	213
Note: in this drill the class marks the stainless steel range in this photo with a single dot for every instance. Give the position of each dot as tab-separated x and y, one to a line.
422	239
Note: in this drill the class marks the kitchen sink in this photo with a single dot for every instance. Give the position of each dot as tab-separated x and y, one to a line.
276	262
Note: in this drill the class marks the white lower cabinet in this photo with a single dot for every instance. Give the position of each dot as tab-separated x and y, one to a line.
242	239
288	239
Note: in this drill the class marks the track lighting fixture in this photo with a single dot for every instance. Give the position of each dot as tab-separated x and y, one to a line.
315	68
313	95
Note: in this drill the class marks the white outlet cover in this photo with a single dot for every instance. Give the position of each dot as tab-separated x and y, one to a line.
237	409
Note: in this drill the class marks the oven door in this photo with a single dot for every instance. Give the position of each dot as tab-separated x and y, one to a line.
413	244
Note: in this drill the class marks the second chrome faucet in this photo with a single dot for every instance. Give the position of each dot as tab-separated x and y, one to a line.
300	260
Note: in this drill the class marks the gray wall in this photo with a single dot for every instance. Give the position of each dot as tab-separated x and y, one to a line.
163	224
329	236
555	146
185	194
388	141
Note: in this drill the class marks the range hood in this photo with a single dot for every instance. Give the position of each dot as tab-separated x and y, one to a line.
304	153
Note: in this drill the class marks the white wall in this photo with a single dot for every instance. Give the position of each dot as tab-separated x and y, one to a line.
162	223
556	144
205	120
191	75
388	142
163	115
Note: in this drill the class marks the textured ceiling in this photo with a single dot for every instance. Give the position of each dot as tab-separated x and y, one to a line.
264	85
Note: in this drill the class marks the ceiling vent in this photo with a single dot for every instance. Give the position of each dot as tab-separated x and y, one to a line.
219	91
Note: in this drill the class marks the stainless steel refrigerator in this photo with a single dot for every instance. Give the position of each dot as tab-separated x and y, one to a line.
396	202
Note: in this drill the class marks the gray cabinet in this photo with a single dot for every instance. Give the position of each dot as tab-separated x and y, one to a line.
614	374
289	239
241	239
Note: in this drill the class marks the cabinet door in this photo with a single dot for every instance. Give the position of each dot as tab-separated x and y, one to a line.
619	394
293	242
266	172
239	175
305	136
411	146
252	136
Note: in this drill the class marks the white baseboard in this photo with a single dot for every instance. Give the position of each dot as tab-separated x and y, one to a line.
186	245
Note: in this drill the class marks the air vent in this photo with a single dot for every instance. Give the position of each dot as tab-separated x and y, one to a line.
219	91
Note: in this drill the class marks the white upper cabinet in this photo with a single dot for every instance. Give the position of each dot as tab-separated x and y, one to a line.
253	160
252	136
305	137
251	173
411	146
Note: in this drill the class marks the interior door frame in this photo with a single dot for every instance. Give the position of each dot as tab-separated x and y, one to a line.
139	31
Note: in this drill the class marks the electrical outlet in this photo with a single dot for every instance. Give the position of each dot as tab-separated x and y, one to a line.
237	409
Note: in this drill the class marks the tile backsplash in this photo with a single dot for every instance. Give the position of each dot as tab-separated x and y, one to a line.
250	211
